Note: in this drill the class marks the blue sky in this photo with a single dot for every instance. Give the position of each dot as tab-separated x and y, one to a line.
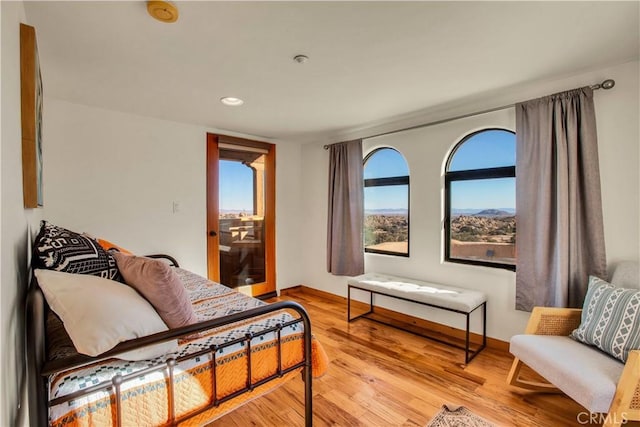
485	194
385	163
394	197
491	148
487	149
236	186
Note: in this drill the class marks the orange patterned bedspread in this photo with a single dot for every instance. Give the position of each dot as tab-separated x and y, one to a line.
145	398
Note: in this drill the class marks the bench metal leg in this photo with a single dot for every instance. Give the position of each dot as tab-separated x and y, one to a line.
469	355
349	318
466	342
484	324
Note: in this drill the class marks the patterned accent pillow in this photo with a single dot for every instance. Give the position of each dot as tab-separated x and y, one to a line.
59	249
610	319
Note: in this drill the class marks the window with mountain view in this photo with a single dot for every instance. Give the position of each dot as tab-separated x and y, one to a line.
480	200
386	203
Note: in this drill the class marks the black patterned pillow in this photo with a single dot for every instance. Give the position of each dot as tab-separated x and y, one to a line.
59	249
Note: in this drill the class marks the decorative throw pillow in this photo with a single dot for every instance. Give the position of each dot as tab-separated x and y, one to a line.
59	249
160	285
99	313
610	319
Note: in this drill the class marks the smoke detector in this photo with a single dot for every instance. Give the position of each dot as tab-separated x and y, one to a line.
163	11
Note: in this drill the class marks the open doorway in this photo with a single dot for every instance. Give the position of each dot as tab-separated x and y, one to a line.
241	214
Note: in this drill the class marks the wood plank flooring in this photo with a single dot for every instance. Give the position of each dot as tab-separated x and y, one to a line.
381	376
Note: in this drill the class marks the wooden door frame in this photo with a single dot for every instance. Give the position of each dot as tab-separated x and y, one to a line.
213	214
213	262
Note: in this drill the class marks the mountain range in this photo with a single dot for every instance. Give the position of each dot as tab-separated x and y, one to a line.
484	212
385	211
454	212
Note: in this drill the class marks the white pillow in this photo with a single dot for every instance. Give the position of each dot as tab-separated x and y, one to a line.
99	313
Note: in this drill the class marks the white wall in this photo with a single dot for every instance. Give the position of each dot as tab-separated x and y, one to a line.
116	176
618	116
14	223
425	149
113	175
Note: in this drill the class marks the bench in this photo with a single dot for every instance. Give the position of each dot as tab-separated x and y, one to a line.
449	298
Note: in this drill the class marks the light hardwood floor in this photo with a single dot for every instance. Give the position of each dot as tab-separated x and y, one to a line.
381	376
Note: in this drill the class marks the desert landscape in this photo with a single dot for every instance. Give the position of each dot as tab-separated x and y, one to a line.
486	235
387	232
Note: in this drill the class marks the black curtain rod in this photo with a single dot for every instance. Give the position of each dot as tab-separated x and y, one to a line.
606	84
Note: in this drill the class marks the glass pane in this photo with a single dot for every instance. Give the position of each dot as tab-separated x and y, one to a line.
486	149
241	205
236	189
483	222
385	163
386	222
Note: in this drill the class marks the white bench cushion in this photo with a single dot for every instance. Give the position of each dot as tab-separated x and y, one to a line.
431	293
584	373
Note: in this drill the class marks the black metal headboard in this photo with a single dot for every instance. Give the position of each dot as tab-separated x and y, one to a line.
36	321
36	312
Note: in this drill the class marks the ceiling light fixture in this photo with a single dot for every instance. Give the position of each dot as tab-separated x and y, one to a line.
163	11
301	59
231	101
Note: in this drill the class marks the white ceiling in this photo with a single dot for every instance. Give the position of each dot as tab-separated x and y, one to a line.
369	61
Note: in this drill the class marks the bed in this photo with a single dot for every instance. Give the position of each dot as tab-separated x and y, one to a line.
240	348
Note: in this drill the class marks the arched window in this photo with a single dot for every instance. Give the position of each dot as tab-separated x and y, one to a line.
480	197
386	203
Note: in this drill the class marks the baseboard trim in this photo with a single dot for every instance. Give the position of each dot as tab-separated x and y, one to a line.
402	320
268	295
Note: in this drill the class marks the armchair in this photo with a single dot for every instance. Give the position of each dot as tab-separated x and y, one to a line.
597	381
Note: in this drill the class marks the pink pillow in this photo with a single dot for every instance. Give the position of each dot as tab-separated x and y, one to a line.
160	285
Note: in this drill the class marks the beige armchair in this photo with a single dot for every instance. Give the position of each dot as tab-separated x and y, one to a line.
595	380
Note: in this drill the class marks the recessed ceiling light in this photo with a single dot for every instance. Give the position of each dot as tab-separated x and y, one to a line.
231	101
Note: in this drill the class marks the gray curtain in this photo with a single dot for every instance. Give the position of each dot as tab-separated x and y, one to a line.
560	237
345	246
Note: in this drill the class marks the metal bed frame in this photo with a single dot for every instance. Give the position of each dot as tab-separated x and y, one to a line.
469	354
40	367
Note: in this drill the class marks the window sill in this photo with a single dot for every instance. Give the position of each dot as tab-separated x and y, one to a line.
480	264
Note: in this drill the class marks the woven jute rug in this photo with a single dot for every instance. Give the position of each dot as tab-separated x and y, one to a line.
458	416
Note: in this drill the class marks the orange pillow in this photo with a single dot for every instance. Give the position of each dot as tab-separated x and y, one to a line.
107	245
319	359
